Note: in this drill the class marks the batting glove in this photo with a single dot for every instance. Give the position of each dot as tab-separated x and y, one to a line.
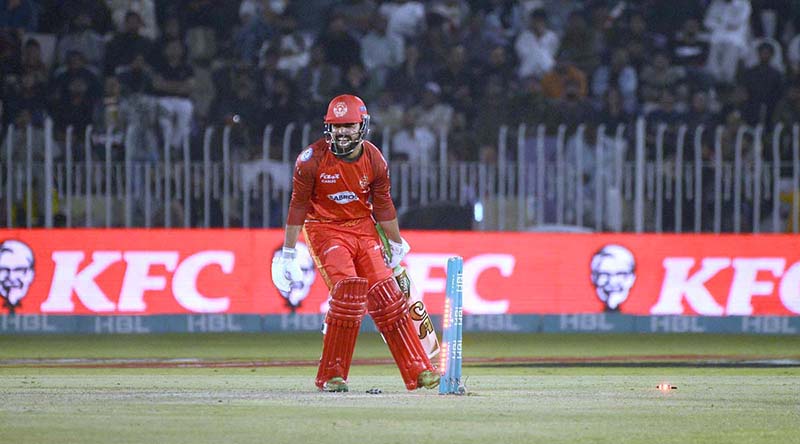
397	252
286	270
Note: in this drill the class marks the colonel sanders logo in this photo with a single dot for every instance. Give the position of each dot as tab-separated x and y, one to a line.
339	109
16	272
613	275
299	289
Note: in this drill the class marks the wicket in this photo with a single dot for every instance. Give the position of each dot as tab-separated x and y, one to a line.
450	356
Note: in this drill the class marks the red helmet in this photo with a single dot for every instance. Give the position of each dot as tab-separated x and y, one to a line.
346	109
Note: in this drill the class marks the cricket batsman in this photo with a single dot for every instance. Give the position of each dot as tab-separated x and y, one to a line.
341	188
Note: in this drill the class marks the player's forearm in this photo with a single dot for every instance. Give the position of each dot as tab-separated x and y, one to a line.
291	234
392	229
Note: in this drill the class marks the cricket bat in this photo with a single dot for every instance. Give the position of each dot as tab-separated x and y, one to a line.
416	308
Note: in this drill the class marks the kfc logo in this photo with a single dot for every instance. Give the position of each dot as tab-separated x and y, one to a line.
613	275
420	268
686	281
299	289
16	272
339	109
73	281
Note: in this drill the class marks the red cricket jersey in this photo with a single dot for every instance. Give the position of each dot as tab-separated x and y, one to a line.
329	189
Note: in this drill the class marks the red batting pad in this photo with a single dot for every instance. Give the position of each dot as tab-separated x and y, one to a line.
389	310
348	301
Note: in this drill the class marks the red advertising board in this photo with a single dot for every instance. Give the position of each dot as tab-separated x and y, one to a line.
228	271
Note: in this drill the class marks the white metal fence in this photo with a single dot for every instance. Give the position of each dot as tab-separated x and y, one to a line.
640	178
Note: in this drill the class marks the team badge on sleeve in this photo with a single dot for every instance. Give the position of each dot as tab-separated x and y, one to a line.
305	155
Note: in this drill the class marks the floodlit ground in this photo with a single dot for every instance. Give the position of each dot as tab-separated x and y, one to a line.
523	389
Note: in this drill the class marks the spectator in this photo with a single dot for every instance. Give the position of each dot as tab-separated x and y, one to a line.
136	77
386	112
380	51
612	113
752	57
412	142
268	76
216	16
283	106
33	64
121	49
497	65
494	113
432	111
75	107
573	109
405	17
75	68
138	107
528	105
319	81
82	38
536	47
575	44
787	110
58	15
456	80
293	49
504	16
658	75
793	56
26	104
618	74
689	50
665	17
10	58
769	18
406	80
436	41
665	110
110	113
171	30
639	40
243	112
480	37
18	15
251	32
145	9
172	83
699	112
359	13
455	13
554	82
728	22
764	86
356	79
341	49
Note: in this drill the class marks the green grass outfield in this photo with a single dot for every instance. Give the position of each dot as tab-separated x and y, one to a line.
248	388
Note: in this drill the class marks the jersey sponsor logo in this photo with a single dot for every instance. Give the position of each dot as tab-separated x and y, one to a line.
305	155
329	178
343	197
339	109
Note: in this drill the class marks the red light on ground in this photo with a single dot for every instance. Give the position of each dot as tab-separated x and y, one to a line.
665	387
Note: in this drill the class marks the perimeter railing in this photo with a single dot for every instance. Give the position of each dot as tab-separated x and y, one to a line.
643	177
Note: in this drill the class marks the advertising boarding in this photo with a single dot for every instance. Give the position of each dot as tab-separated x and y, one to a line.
135	273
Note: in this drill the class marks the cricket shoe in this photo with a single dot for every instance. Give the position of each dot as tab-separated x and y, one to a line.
335	384
428	379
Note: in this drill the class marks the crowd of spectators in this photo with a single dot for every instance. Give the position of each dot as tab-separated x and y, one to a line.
465	67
